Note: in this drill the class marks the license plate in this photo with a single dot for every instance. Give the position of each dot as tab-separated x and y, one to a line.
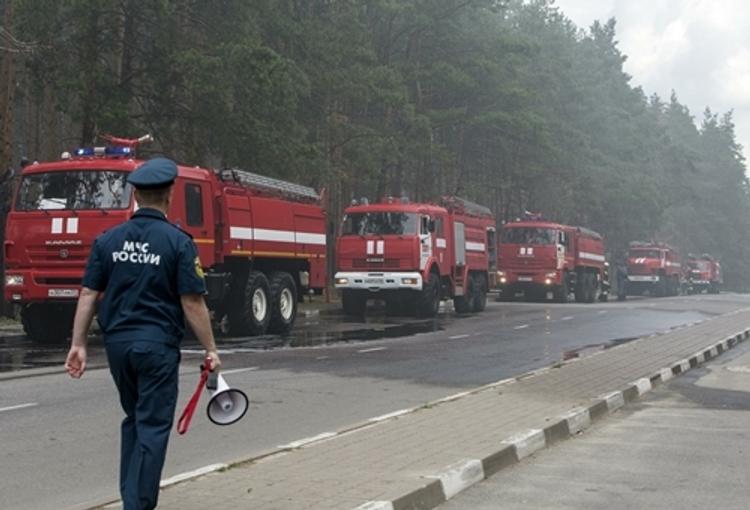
374	281
525	279
62	293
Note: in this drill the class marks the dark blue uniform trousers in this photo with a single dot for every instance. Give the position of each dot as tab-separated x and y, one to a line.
146	375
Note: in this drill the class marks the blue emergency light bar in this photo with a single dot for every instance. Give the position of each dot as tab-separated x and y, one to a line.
103	151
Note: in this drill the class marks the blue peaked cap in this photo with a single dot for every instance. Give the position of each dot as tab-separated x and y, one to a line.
153	174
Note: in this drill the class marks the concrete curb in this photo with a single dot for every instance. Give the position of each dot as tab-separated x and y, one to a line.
442	486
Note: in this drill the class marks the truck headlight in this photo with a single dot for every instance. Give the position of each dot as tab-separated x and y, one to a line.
342	281
409	281
13	280
503	279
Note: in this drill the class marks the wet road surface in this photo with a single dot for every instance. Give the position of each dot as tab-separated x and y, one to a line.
51	425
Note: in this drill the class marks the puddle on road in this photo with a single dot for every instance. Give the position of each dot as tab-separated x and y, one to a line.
337	332
19	353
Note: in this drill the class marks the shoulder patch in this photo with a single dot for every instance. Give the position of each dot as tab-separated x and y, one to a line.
199	268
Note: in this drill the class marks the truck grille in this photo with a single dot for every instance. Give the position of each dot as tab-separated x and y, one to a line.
385	264
531	263
66	254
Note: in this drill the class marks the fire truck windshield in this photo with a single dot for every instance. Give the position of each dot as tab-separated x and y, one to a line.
74	190
380	223
645	254
526	235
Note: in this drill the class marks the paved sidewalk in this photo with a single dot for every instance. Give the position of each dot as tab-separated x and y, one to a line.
419	458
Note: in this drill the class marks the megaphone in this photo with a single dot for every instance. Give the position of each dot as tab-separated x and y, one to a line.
227	405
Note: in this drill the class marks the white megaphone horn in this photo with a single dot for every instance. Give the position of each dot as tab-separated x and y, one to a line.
227	405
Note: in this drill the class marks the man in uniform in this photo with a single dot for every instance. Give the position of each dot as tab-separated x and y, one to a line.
151	277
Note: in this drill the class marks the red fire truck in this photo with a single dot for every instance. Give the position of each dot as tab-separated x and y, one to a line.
655	268
413	255
703	274
546	260
261	241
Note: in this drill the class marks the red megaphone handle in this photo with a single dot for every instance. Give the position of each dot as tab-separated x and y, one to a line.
187	415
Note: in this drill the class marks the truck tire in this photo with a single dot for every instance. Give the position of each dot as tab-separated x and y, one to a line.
562	290
591	287
581	288
47	322
660	287
283	303
252	313
480	296
353	302
429	299
465	304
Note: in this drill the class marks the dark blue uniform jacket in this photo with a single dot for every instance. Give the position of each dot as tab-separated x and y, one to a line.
143	267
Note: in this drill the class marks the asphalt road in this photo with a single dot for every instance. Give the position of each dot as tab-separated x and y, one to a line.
683	446
60	437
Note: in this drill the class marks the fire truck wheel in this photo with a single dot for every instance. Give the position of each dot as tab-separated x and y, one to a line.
283	303
354	303
252	311
562	291
581	287
429	298
480	294
660	287
465	303
591	288
47	323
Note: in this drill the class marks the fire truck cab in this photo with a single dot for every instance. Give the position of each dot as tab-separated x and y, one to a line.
703	274
412	255
655	268
261	241
543	259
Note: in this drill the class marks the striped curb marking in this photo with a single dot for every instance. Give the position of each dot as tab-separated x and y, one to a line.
464	474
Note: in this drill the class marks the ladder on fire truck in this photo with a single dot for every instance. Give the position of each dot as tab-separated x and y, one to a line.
271	185
466	206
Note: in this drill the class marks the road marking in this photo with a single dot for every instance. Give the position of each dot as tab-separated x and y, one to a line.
192	474
307	440
374	349
457	337
19	406
322	357
238	370
602	312
567	318
388	416
522	326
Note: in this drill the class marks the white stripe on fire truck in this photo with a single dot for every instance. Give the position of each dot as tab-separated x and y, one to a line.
380	247
591	256
282	236
472	246
57	225
72	227
440	242
308	238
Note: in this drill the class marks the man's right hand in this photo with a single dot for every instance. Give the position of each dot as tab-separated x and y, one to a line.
215	360
75	363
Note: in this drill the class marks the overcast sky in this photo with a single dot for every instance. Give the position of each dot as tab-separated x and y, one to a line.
699	48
